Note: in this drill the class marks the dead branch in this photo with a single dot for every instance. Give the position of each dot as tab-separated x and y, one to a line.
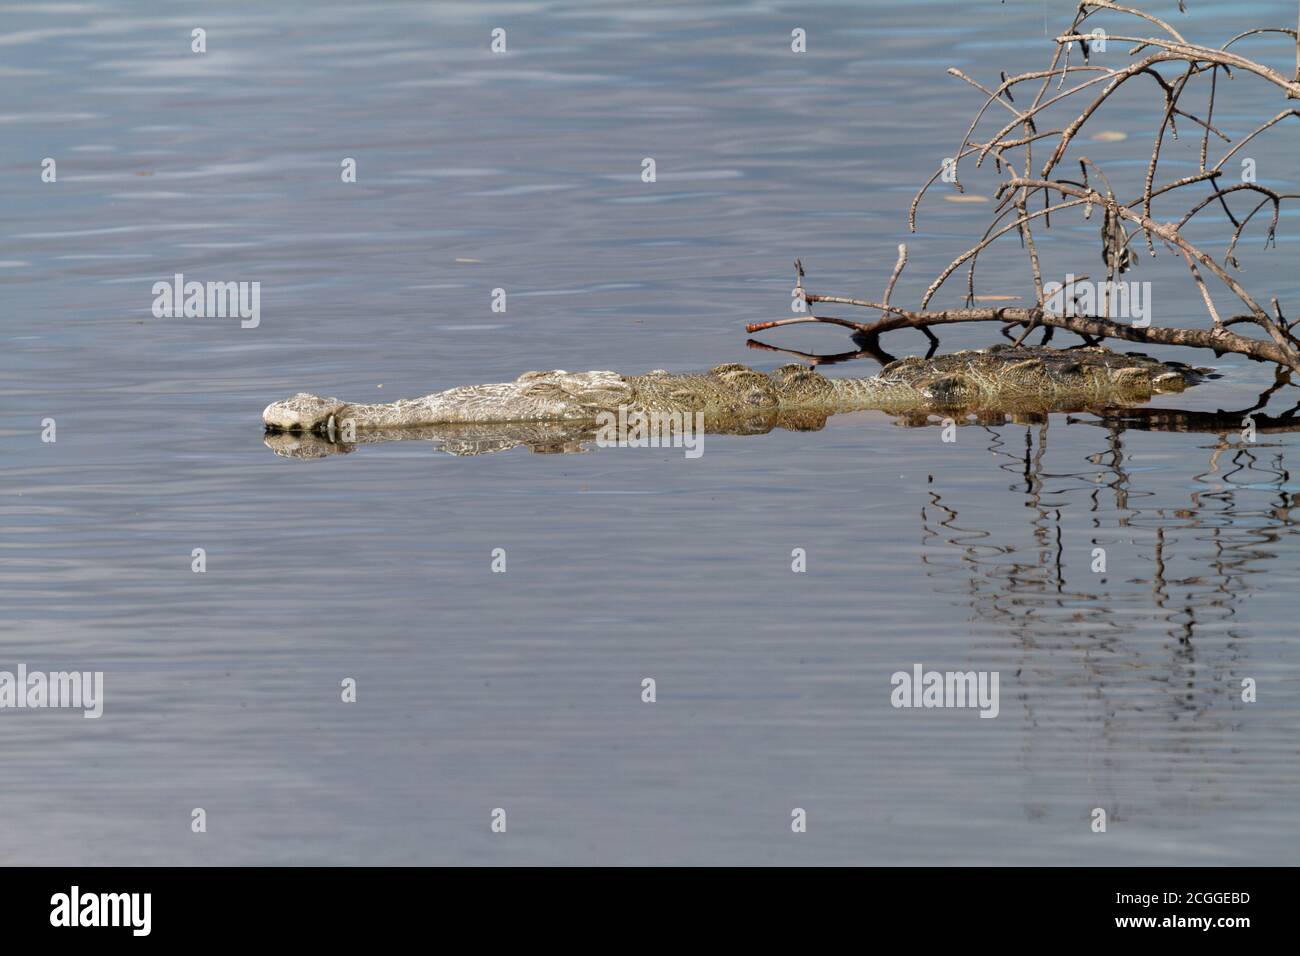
1026	196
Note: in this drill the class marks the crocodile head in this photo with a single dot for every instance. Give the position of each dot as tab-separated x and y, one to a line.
301	413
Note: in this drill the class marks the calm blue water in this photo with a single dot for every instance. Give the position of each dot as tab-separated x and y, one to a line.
479	690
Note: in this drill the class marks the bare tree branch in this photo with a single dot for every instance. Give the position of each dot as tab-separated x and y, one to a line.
1025	197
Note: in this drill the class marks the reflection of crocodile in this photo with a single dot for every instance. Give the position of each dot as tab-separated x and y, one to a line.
481	438
733	397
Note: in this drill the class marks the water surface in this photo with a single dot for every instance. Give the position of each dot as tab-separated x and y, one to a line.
522	690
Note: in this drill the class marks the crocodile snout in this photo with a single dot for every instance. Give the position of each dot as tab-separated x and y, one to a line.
301	413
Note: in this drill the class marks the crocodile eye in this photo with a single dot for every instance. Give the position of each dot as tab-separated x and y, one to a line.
543	389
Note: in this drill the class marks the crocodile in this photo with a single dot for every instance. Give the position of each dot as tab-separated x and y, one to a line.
551	407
